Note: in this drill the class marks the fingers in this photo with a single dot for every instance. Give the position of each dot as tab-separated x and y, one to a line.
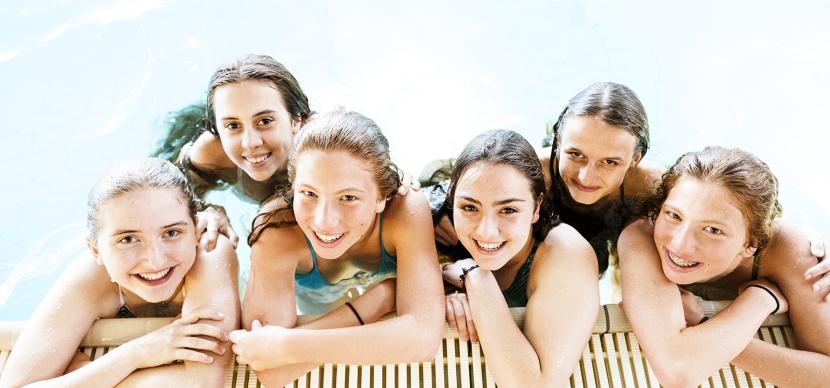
817	246
203	313
192	355
232	235
212	234
200	344
460	320
471	327
450	313
256	324
201	224
822	288
235	336
817	270
205	329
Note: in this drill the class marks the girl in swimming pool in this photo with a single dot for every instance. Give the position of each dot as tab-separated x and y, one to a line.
147	261
712	229
340	232
521	256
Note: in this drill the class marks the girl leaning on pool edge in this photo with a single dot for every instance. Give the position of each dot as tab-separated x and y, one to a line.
340	228
712	228
147	261
521	256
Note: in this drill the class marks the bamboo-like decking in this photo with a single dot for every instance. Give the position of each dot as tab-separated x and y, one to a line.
612	358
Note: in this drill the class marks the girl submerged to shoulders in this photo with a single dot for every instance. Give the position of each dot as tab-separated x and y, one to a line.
147	260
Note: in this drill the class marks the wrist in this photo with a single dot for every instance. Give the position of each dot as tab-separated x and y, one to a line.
764	295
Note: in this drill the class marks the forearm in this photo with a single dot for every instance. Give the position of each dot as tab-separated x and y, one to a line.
511	357
783	366
107	370
375	303
279	377
401	339
180	375
694	353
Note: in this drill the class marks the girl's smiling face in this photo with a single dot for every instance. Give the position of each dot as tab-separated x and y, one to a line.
336	200
146	241
494	212
700	232
254	127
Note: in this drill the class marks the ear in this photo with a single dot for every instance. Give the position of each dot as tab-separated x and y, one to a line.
380	206
296	125
94	250
749	251
637	158
538	208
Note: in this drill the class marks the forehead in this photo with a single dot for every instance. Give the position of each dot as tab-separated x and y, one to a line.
247	98
496	181
594	137
147	208
702	200
334	171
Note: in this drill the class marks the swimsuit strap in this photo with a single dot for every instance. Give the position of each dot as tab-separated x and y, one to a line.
124	311
756	265
380	235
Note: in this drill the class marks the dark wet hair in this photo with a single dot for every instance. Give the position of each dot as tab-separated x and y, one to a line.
501	146
749	179
613	103
130	176
334	131
259	68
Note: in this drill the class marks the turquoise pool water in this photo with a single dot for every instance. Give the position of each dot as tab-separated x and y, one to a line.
87	83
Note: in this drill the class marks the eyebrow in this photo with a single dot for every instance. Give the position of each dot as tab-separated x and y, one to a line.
497	203
306	185
125	231
668	206
267	111
614	158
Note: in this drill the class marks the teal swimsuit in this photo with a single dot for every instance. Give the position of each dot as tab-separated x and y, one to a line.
516	294
316	295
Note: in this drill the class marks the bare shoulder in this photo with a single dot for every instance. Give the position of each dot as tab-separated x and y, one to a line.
272	204
86	282
787	255
635	237
279	247
563	243
207	153
403	209
644	178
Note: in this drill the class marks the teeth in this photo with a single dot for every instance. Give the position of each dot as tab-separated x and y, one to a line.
489	246
326	238
154	275
257	159
682	263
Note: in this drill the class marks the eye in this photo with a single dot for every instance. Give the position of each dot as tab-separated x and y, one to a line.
467	208
610	163
309	194
672	215
127	240
713	230
232	125
172	233
348	198
575	154
265	121
509	210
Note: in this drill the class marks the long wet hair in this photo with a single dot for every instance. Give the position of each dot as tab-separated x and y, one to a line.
748	178
501	146
130	176
253	67
334	131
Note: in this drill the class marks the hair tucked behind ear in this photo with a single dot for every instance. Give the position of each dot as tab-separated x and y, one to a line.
334	131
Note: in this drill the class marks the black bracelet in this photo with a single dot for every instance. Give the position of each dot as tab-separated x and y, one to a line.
463	276
777	304
355	313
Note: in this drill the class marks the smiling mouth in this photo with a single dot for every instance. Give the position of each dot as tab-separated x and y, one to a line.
489	246
328	239
256	160
155	278
585	188
682	263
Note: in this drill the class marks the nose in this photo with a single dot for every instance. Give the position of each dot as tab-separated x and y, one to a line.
251	138
683	241
587	174
326	216
155	255
488	228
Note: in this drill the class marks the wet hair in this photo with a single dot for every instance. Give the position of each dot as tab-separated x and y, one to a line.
749	179
330	132
613	103
258	68
130	176
501	146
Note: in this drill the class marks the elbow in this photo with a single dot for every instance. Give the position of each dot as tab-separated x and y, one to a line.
427	345
675	374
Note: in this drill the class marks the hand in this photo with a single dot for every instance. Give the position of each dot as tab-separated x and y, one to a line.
820	271
408	182
452	272
445	232
261	348
213	221
460	318
691	310
783	306
183	339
